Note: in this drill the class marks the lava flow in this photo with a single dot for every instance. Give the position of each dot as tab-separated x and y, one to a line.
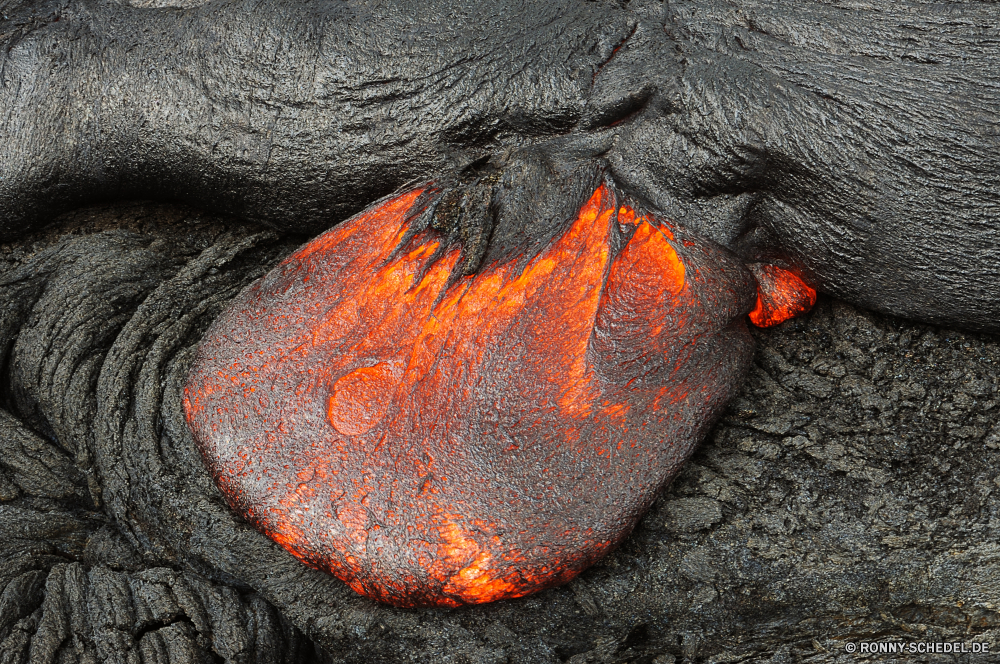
436	440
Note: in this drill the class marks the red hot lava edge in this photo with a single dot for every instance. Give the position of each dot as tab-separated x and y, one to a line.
781	295
439	441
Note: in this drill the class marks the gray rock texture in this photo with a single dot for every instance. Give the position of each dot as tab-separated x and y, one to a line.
850	494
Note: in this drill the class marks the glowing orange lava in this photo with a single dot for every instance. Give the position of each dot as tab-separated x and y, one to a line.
440	441
780	295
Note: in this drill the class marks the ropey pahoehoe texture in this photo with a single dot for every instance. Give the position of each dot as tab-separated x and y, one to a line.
847	492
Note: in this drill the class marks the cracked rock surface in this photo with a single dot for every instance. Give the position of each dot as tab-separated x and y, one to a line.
849	494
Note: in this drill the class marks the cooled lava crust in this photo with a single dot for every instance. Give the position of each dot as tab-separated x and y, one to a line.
435	439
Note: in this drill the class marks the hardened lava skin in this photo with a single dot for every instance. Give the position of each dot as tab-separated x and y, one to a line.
435	439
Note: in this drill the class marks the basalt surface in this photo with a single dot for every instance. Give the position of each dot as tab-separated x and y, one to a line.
848	494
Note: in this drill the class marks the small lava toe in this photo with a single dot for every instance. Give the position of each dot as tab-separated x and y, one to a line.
781	295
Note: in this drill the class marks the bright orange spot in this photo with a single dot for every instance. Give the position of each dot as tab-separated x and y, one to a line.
476	583
780	295
626	216
456	546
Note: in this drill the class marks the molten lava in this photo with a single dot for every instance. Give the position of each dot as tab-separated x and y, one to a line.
780	295
434	440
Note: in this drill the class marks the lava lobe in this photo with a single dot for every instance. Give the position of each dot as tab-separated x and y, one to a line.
435	439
